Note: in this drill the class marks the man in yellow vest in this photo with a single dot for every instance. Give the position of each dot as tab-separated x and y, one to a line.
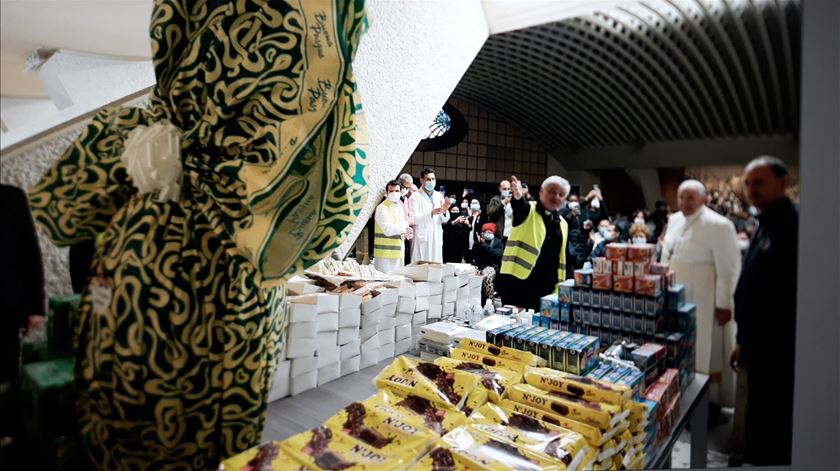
390	229
535	255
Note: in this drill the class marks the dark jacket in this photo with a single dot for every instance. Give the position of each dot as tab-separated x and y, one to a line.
22	287
488	254
579	246
496	214
600	250
594	215
455	240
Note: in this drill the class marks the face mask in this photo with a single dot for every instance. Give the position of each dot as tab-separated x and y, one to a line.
602	231
753	211
574	205
639	240
488	236
454	202
639	221
608	236
394	196
596	203
430	185
505	193
475	207
456	213
465	206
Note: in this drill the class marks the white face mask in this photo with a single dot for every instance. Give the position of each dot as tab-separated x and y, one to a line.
639	221
608	236
394	196
574	205
488	236
596	203
639	240
464	206
475	207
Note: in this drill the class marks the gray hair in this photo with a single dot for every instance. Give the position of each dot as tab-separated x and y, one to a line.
555	180
779	169
695	185
406	178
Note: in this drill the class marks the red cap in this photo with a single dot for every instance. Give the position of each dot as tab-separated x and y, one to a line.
489	227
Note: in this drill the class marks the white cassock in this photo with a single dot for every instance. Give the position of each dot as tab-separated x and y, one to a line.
384	219
427	244
703	251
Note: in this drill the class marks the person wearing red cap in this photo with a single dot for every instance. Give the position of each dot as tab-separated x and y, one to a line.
487	255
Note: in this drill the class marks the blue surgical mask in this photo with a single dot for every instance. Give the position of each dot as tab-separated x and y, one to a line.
464	206
475	207
608	236
602	231
505	193
454	202
639	240
488	236
430	185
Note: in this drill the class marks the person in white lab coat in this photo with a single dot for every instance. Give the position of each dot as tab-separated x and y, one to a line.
430	210
701	246
390	230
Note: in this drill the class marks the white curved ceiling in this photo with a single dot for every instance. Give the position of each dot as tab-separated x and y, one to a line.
648	71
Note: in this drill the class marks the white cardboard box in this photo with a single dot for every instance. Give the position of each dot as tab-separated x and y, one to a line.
402	332
421	303
347	335
386	296
476	281
329	355
351	365
304	382
349	318
299	347
448	269
387	323
352	349
303	365
326	340
402	347
436	300
422	289
371	318
298	285
448	309
368	332
425	272
450	284
281	377
463	280
302	312
386	337
372	342
386	351
347	301
404	319
389	310
304	330
406	305
419	318
326	321
329	373
450	296
324	302
435	311
369	357
463	293
435	289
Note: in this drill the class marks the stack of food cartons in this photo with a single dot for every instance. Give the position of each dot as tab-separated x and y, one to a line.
313	323
435	301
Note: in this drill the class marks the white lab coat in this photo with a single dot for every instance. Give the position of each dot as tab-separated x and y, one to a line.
703	251
427	244
390	228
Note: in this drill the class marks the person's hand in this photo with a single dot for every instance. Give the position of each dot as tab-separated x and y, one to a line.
735	358
409	234
465	193
516	187
723	316
438	211
33	322
592	194
587	225
446	204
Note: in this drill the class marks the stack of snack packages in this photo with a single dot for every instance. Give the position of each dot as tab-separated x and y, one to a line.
680	334
459	413
621	297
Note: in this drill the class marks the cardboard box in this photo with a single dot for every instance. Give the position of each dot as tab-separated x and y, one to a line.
351	349
654	305
450	296
405	288
475	281
617	321
435	311
302	330
436	300
533	342
576	296
627	303
280	387
463	279
326	322
676	297
401	347
586	316
349	318
596	317
448	309
583	277
323	302
638	305
302	312
627	322
687	317
369	357
298	285
402	332
616	251
596	299
372	342
581	356
641	252
300	347
649	326
351	365
649	285
641	269
389	310
404	319
606	319
419	318
348	301
406	305
299	366
422	289
565	313
387	336
421	304
617	302
370	319
550	306
564	291
623	284
586	297
496	336
521	339
626	269
386	351
326	340
387	323
329	373
347	335
327	356
383	296
638	323
425	272
602	266
463	293
304	382
450	284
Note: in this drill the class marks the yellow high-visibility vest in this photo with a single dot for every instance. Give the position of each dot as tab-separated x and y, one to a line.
387	247
524	245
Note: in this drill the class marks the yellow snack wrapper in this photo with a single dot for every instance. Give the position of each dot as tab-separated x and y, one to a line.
428	381
268	456
557	443
384	428
638	411
603	416
494	380
624	440
588	389
607	451
479	450
507	353
324	448
487	360
592	435
436	418
590	458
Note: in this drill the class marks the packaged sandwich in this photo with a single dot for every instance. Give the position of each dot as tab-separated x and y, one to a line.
506	353
435	417
587	389
383	427
326	448
603	416
428	381
479	450
487	360
494	380
268	456
593	435
556	442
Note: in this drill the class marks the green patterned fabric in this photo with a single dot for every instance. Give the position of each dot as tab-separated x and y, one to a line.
174	372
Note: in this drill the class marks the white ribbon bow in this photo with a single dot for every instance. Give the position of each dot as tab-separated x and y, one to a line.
152	158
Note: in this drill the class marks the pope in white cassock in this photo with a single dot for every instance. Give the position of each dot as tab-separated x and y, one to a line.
390	230
702	248
429	210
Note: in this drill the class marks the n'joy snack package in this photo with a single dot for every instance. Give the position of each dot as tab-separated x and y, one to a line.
593	435
480	450
435	417
383	427
325	448
427	380
268	456
587	389
603	416
494	380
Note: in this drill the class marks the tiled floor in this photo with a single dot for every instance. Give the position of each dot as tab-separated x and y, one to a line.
718	445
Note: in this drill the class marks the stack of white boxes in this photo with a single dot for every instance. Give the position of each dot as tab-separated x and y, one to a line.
349	341
313	326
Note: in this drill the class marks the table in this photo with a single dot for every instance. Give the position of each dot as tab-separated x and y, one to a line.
296	414
694	409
